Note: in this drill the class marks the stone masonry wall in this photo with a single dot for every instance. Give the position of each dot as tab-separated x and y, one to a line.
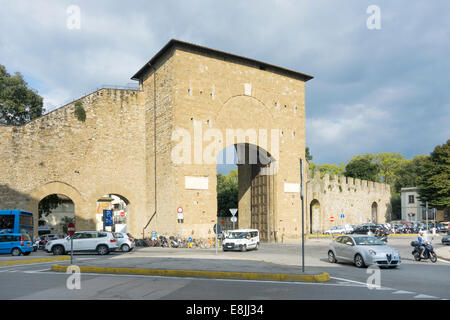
352	197
57	153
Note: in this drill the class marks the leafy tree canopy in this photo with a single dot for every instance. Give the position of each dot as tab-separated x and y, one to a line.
387	163
18	103
227	193
363	169
434	177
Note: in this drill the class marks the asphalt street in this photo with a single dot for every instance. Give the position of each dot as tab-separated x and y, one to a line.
411	281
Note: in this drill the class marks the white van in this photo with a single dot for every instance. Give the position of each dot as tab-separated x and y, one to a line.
241	239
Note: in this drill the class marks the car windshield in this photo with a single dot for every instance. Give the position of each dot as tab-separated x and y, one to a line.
237	235
368	241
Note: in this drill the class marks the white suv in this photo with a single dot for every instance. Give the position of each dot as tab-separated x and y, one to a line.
101	241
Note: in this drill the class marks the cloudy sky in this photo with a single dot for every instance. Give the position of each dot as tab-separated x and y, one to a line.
375	90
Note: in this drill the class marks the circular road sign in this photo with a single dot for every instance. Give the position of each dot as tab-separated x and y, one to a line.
71	229
179	209
331	219
122	214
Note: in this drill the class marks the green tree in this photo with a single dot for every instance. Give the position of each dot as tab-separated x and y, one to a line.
408	172
434	178
47	204
18	103
330	168
308	155
362	168
387	163
227	193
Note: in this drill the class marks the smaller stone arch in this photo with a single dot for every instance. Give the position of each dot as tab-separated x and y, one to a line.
374	209
58	187
314	216
121	192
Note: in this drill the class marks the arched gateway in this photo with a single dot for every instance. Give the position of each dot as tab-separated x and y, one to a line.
157	145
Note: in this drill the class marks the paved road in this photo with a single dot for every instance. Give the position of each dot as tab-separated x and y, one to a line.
413	280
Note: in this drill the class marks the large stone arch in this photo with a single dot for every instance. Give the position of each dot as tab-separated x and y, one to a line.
59	187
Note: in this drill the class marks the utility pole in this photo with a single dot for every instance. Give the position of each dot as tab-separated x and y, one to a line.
303	215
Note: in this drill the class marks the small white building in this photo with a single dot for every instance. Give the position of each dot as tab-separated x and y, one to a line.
411	206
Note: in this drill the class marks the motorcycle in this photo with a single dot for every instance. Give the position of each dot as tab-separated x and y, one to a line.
428	252
163	241
174	242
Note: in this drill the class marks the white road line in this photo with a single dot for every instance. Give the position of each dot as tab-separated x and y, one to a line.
443	261
403	292
424	296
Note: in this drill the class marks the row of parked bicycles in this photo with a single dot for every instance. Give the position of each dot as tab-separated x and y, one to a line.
176	242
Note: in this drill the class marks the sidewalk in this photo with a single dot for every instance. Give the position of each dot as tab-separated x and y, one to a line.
443	252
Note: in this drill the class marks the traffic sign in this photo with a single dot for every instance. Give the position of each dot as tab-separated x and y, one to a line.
233	211
180	216
108	214
122	214
219	229
70	228
233	219
180	210
331	219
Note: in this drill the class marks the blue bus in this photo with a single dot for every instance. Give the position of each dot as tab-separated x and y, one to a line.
16	221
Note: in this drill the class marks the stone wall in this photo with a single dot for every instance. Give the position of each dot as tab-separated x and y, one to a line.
330	196
57	153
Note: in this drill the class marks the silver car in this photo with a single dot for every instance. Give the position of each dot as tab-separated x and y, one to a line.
363	251
125	241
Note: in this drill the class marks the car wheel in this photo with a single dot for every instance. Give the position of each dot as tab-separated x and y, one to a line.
125	248
102	250
244	248
257	246
16	252
58	250
331	257
359	261
26	253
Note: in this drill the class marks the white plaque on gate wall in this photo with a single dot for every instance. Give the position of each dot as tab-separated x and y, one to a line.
196	183
292	187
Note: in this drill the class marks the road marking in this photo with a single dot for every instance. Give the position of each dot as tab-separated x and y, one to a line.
403	292
444	261
424	296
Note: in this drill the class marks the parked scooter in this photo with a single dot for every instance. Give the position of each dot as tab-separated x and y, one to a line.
163	241
173	242
428	252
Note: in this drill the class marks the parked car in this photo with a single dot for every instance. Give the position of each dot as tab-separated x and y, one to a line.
101	241
46	238
241	239
446	239
363	251
346	228
125	241
445	224
16	243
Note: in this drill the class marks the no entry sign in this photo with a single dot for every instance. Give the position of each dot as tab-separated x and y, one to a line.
70	228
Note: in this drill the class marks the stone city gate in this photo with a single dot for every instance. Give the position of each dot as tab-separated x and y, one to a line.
156	146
